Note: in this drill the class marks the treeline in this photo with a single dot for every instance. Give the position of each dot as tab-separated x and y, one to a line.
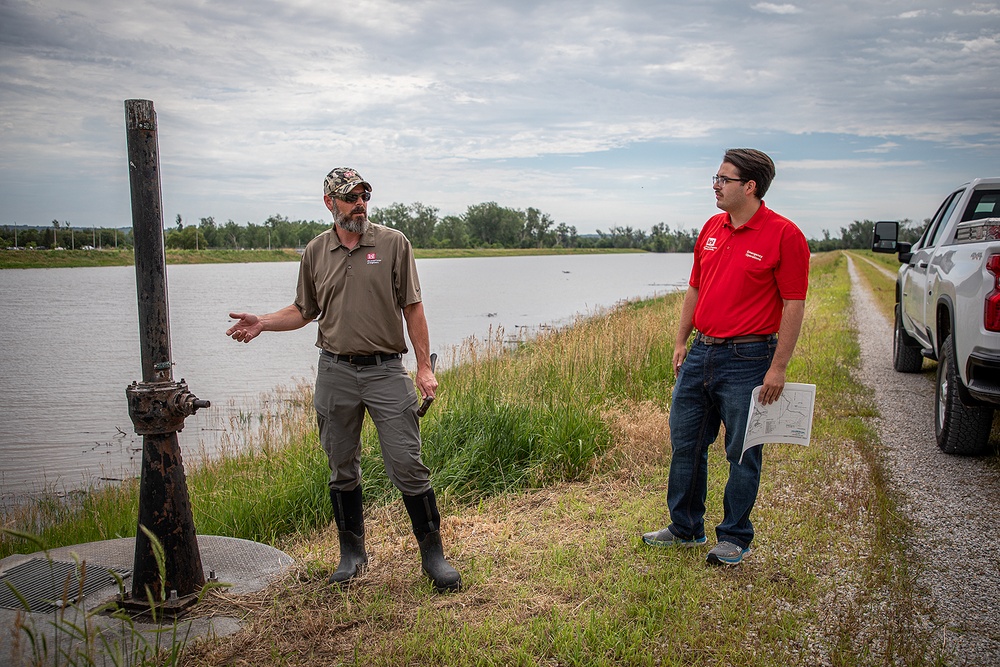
859	235
486	225
489	225
63	235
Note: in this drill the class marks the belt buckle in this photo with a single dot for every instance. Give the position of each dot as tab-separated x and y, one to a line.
710	340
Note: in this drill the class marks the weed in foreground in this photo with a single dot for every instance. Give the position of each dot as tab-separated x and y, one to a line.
104	635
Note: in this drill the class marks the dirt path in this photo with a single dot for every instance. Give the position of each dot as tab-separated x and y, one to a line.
952	500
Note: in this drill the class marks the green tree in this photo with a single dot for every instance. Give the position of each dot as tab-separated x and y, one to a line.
232	235
910	231
396	216
537	231
451	232
423	220
210	231
858	234
416	221
490	224
188	238
278	231
566	236
621	237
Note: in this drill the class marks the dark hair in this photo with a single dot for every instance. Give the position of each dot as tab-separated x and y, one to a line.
753	165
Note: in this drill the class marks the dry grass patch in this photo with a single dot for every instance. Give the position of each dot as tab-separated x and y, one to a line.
640	437
523	557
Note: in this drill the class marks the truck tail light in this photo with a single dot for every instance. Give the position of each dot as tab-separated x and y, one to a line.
991	314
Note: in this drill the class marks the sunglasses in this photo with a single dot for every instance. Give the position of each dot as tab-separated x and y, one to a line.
352	197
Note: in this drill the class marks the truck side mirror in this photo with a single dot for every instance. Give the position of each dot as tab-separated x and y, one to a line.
884	236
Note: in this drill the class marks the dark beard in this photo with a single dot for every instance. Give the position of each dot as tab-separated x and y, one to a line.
349	223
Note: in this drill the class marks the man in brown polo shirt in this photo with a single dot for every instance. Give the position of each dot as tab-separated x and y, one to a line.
358	280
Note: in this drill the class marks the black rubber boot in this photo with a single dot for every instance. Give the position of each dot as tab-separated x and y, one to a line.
426	527
348	510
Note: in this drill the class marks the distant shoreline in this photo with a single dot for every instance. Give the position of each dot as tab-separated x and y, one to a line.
51	259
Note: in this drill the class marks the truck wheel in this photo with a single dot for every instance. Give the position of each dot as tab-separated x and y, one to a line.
960	428
906	356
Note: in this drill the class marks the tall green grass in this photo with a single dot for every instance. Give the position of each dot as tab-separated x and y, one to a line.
506	417
534	415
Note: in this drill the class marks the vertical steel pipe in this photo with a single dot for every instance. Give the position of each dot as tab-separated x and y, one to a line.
158	405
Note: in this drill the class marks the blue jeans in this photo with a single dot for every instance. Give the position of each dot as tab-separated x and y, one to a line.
713	387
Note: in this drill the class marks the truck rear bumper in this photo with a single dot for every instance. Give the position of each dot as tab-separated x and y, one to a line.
983	371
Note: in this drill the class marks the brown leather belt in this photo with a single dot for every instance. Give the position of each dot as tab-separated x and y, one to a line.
711	340
363	359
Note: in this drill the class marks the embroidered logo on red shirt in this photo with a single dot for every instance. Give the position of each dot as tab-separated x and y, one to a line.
754	255
710	243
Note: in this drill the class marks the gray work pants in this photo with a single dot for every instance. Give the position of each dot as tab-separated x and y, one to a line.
343	393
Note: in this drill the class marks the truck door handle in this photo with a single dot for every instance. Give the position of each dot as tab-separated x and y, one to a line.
921	265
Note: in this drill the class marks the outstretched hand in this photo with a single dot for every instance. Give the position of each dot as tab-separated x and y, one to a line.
248	327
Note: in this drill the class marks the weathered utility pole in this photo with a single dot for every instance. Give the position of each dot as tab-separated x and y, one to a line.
157	405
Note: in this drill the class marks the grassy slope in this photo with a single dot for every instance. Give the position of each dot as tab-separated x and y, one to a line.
558	576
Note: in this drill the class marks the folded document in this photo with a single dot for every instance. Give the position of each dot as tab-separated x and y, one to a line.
788	419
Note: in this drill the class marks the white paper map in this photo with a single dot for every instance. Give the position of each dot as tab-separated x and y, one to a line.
788	419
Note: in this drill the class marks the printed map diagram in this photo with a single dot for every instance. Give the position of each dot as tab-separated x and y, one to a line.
789	419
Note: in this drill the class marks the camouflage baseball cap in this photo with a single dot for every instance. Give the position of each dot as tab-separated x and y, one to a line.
342	180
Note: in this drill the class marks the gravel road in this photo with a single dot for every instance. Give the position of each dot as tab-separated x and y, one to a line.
953	500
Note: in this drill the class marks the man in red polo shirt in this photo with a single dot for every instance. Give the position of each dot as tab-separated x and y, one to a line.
745	300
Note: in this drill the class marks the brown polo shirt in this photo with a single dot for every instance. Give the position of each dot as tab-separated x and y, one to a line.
358	295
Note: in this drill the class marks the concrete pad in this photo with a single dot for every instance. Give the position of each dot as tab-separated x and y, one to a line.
246	566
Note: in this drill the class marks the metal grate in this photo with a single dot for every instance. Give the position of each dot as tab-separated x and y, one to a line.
46	584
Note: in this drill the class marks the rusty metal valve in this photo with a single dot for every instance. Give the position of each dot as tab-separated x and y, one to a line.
157	408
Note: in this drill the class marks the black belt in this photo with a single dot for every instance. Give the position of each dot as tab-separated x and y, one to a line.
753	338
363	359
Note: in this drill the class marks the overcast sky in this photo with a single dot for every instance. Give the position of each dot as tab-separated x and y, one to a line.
598	113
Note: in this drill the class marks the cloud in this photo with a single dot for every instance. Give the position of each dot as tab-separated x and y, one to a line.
254	99
978	9
980	44
771	8
886	147
811	165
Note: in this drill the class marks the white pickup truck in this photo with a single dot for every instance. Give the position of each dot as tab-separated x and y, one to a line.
948	310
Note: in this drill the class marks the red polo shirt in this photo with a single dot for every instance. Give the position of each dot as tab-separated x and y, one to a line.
742	275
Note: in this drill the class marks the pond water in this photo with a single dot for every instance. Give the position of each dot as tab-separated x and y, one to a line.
69	344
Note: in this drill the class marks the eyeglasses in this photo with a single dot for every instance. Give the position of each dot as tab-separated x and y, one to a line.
352	197
722	180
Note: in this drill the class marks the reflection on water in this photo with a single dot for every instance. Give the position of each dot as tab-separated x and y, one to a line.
69	345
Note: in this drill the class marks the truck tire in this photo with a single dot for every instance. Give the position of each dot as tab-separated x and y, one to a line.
906	356
960	428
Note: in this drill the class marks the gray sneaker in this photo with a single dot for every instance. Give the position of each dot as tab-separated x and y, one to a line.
664	538
727	553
